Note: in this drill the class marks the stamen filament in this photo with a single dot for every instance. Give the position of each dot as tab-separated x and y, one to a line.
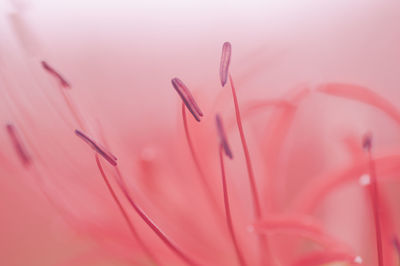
228	215
67	100
264	250
123	212
163	236
196	161
374	194
253	186
72	108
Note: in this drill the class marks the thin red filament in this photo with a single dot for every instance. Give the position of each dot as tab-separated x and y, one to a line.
109	157
123	212
74	111
54	73
164	238
187	98
68	101
228	215
18	145
191	147
374	194
253	187
196	161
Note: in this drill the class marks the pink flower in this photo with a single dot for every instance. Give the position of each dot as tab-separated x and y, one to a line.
160	149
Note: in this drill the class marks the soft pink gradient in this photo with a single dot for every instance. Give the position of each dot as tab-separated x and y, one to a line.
312	78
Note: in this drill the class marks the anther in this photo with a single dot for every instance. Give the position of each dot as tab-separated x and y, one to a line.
222	137
109	157
396	245
367	142
187	98
225	61
65	84
18	145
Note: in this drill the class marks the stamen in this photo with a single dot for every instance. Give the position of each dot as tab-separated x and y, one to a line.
225	61
374	194
222	137
18	145
65	84
256	201
187	98
96	147
264	249
228	215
